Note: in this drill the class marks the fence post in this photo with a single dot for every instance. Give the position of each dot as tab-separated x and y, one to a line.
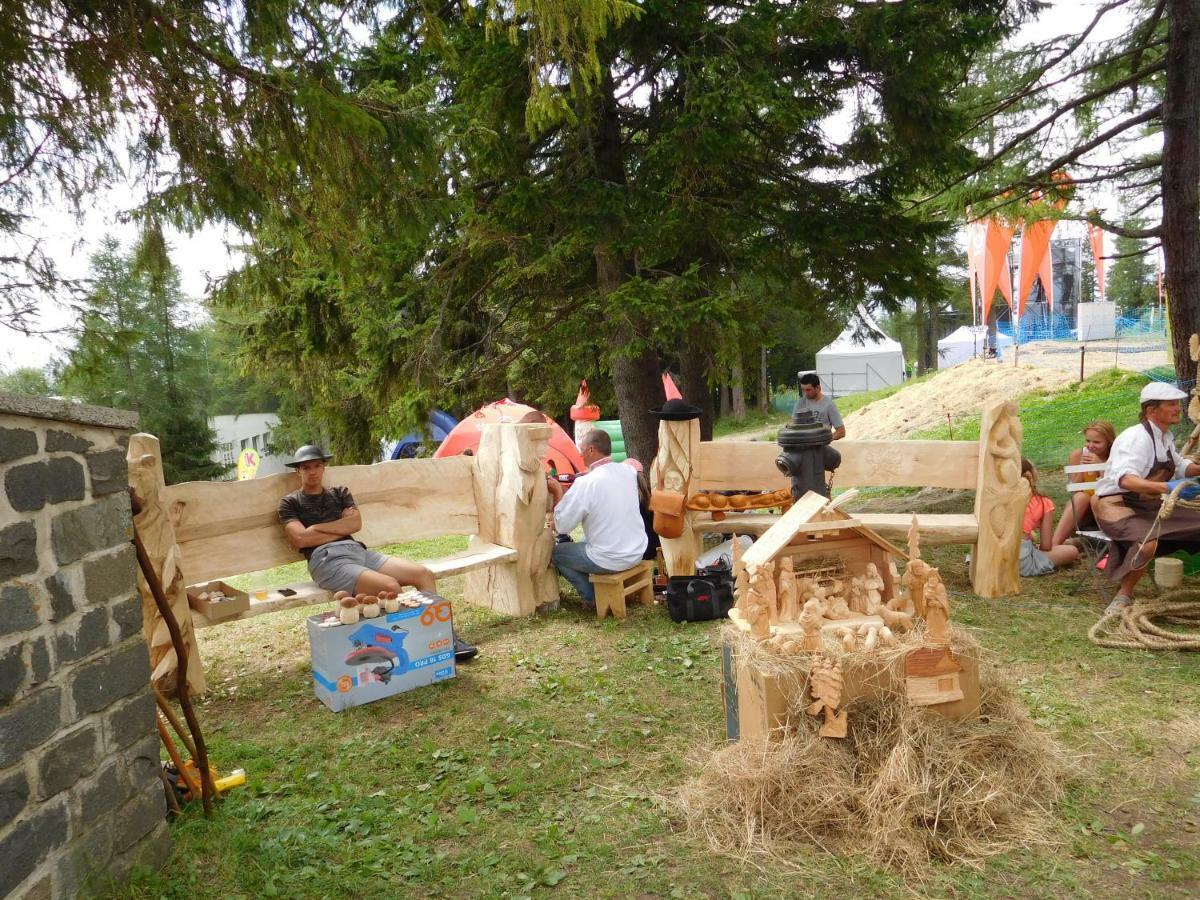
1001	495
675	469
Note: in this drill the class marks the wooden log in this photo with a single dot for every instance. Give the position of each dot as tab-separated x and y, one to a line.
229	527
510	498
674	469
157	533
1000	502
750	465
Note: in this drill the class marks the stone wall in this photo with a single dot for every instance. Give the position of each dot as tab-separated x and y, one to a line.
80	798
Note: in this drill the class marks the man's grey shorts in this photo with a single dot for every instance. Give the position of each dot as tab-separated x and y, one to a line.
337	565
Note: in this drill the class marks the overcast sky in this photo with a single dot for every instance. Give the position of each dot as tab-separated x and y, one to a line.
204	255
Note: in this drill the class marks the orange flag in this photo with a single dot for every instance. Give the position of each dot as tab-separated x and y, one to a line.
997	240
1035	248
1096	236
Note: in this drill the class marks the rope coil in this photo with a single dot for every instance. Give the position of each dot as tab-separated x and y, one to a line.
1137	627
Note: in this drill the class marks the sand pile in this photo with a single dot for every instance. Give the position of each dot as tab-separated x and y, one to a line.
959	392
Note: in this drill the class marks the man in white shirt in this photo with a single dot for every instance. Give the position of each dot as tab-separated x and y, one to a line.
605	501
1144	465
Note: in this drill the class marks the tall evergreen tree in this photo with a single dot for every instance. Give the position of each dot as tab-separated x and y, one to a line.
1133	278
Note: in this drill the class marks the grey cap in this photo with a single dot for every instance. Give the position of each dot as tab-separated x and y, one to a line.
308	453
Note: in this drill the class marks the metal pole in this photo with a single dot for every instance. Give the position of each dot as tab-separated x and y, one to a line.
1082	351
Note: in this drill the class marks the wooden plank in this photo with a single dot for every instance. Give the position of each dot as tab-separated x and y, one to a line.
936	528
750	465
230	527
780	535
306	593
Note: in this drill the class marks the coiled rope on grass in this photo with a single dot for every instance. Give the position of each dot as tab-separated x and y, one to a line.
1137	627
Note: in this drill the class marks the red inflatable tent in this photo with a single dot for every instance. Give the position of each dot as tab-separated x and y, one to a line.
465	436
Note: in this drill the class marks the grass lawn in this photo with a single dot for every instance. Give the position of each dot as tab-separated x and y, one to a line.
540	768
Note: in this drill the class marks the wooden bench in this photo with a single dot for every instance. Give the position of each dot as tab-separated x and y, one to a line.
497	499
991	467
613	590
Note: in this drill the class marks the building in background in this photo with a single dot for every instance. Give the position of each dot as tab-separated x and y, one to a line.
247	431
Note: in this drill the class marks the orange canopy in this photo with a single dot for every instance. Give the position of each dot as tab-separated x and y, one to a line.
561	453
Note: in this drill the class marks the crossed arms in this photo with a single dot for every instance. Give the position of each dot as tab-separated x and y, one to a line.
300	537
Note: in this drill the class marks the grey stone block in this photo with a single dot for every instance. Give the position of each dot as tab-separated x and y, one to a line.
131	721
39	661
101	525
89	635
29	723
139	816
100	683
14	794
110	472
39	890
105	793
27	486
18	609
127	614
12	672
29	842
18	550
142	760
83	871
63	441
66	480
35	484
68	759
111	576
17	442
62	604
151	852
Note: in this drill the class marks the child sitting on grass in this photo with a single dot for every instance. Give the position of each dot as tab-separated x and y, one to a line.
1040	558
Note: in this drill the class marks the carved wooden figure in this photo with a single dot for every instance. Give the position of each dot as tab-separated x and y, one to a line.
157	531
678	448
915	574
937	611
873	582
826	684
810	621
760	599
789	605
1000	503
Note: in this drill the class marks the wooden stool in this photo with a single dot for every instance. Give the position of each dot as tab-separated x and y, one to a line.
611	590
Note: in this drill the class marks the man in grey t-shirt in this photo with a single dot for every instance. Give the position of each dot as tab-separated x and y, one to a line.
812	398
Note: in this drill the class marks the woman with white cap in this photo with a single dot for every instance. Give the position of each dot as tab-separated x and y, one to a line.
1143	466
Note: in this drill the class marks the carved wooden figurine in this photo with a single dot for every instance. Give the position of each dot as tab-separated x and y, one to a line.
856	596
1000	502
873	582
760	599
826	686
915	574
811	620
789	603
937	611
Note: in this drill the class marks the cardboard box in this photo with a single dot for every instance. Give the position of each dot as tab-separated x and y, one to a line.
381	657
236	604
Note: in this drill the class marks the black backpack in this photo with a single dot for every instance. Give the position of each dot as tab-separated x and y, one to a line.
698	598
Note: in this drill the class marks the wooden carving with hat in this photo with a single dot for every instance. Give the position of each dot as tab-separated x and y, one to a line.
672	471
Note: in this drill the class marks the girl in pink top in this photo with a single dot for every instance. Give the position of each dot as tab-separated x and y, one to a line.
1040	558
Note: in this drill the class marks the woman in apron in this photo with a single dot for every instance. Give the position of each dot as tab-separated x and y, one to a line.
1143	466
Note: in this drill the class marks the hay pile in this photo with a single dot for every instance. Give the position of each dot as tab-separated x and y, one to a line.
906	788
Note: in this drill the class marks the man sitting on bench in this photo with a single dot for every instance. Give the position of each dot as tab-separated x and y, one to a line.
605	501
319	521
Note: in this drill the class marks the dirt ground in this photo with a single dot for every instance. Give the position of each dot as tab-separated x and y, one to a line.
1131	354
957	392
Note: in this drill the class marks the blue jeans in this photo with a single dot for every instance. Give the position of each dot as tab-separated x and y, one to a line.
573	564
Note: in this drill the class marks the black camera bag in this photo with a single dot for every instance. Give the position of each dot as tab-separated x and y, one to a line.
701	597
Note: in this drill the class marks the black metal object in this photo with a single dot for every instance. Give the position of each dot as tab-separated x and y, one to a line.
807	454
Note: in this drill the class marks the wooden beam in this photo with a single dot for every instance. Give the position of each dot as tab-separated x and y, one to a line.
936	528
750	465
781	533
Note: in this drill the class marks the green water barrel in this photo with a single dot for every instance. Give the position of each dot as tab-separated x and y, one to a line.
612	427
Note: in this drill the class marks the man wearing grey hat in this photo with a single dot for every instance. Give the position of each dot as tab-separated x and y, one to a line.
319	522
1143	466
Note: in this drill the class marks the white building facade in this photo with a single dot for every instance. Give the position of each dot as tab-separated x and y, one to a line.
249	431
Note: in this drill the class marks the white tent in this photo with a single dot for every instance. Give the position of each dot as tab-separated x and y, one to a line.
966	343
852	364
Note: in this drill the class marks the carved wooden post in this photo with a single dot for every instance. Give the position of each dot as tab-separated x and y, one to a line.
674	469
1001	496
510	495
157	531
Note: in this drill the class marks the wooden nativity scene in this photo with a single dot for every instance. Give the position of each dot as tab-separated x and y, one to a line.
824	617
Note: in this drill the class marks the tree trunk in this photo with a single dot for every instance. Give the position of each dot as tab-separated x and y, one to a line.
1181	180
739	394
695	363
725	408
764	386
636	378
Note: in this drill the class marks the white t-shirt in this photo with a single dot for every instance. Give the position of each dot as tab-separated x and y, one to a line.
605	501
1134	453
